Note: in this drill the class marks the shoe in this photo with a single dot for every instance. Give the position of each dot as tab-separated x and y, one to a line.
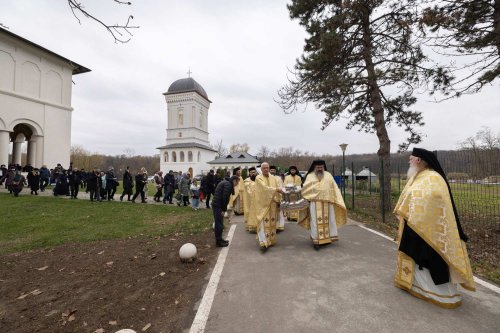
221	244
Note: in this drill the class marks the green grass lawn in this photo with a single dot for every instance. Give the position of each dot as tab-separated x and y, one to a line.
30	222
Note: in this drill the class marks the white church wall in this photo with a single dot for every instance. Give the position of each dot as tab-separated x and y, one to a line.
35	89
57	140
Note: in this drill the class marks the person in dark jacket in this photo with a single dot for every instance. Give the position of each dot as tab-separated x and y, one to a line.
169	183
34	181
140	182
44	177
93	184
219	206
111	183
74	180
208	186
18	183
61	187
128	185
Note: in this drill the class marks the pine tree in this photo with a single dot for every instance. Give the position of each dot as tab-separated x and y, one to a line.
362	60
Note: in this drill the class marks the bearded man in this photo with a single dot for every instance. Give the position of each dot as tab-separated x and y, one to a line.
280	216
432	257
327	210
266	206
249	198
237	201
293	179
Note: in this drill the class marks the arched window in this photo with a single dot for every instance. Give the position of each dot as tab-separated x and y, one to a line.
174	157
181	156
199	156
180	117
201	119
165	157
190	156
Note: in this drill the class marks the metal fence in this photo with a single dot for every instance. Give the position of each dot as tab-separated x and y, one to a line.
474	177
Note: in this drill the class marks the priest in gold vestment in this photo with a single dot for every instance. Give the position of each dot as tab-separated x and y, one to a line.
280	215
249	199
432	257
237	201
293	179
266	206
326	212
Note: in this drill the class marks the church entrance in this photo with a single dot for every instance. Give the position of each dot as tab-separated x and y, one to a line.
23	144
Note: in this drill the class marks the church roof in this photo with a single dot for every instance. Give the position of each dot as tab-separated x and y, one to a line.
235	158
187	85
186	145
76	68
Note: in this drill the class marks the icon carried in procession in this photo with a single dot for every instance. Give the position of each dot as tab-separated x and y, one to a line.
292	199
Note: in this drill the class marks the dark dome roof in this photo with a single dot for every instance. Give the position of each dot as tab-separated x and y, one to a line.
186	85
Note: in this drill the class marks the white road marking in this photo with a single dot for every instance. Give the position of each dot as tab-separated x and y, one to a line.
200	320
485	284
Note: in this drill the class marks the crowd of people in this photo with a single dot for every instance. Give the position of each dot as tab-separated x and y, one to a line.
432	257
102	185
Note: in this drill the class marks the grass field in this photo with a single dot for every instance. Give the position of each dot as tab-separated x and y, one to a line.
30	222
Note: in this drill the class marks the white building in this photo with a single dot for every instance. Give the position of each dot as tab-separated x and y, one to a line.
235	159
35	102
187	147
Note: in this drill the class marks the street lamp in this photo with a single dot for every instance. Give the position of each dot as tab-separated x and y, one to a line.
343	146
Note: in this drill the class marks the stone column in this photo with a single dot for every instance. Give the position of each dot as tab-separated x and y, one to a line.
39	150
4	147
31	154
16	152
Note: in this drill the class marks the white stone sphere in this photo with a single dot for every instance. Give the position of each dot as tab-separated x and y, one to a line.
126	330
187	252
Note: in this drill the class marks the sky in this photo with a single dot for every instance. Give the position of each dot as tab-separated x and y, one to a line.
239	51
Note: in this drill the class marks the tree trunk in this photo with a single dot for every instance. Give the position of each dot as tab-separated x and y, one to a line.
384	151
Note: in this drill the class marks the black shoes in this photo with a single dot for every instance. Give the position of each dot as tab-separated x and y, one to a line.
222	243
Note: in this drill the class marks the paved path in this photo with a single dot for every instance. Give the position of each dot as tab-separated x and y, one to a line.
343	287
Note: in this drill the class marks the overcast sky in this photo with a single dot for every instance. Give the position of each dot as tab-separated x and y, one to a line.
239	51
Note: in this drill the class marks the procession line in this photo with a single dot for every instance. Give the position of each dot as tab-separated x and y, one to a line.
485	284
200	320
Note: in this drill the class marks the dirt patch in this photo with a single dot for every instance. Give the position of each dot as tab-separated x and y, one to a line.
104	286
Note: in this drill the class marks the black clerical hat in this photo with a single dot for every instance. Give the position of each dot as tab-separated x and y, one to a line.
316	162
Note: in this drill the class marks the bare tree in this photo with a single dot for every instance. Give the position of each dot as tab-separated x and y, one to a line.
120	32
484	139
220	148
129	151
238	147
264	152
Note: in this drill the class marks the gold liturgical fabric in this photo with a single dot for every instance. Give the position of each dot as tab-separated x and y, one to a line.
249	208
237	199
322	191
297	181
425	204
266	206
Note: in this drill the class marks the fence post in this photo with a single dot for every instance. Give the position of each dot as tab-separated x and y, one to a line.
399	181
353	183
382	190
370	181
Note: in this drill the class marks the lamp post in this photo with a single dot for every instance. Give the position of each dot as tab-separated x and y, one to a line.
343	146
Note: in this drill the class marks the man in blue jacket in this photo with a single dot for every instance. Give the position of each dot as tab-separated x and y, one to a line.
219	206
